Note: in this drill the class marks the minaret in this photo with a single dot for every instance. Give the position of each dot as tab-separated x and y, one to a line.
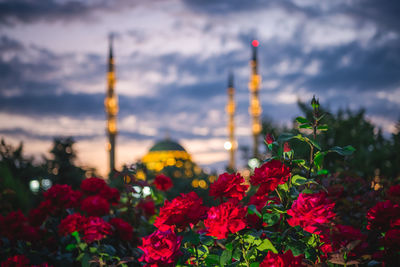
230	109
255	107
111	105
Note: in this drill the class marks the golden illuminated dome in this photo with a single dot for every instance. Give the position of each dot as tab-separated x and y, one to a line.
167	153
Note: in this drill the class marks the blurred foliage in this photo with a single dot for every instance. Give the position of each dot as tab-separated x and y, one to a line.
376	154
61	167
17	170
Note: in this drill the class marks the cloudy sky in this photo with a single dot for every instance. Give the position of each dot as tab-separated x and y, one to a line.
172	60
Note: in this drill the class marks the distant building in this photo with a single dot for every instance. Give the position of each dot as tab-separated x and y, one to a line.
170	158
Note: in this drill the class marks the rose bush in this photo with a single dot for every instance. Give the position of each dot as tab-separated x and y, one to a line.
289	211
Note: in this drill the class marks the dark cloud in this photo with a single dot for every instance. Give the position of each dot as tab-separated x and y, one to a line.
28	11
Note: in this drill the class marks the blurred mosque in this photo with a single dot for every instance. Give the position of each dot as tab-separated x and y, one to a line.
170	157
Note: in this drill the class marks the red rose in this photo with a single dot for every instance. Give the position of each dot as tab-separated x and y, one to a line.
180	212
229	185
269	176
16	261
383	215
394	193
311	211
147	206
73	222
162	182
38	215
392	239
111	194
123	229
92	186
12	226
339	237
62	197
281	260
269	139
95	206
95	229
225	219
286	147
161	248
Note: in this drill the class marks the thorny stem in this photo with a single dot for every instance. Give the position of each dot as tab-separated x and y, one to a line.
315	125
279	195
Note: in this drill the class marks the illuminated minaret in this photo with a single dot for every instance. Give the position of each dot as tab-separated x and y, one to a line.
111	105
255	107
230	109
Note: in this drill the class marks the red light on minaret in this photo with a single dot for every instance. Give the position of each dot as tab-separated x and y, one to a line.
255	43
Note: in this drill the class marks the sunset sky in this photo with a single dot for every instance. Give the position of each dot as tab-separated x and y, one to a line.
172	61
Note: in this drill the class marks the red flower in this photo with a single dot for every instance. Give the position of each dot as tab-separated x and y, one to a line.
383	215
286	147
38	215
339	237
62	197
147	206
162	182
311	211
394	193
392	239
95	206
111	194
161	248
269	176
12	226
225	219
229	185
71	223
16	261
95	229
269	139
92	186
123	229
181	211
281	260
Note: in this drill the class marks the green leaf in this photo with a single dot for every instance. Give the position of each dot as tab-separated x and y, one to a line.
76	235
323	172
344	151
305	126
285	137
302	120
82	246
229	246
252	209
323	127
191	237
249	238
206	240
92	249
284	187
319	158
299	180
226	257
212	260
237	254
70	247
255	264
266	245
307	191
315	144
85	260
271	218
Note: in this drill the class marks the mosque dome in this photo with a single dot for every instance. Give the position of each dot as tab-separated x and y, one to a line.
167	153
